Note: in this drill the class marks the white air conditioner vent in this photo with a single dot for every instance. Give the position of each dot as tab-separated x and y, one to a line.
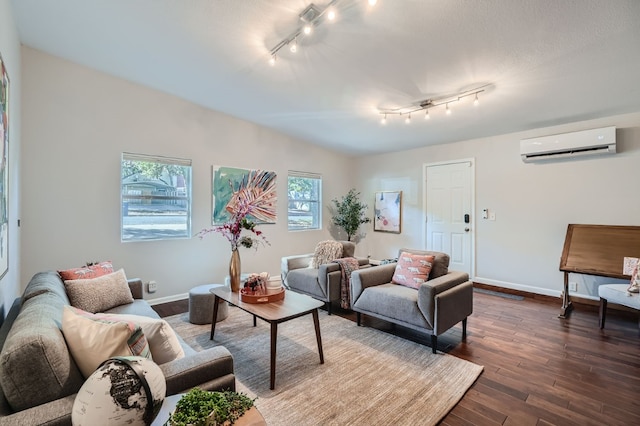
566	145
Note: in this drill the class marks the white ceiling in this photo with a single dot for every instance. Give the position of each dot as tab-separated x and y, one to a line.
547	62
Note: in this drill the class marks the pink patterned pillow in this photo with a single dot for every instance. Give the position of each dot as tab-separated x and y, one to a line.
412	269
85	272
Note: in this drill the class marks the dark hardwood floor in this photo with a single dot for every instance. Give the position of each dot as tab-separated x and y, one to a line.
538	369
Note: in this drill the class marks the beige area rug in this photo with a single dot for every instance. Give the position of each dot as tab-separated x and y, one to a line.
369	377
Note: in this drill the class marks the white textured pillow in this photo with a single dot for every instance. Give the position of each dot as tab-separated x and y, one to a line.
99	294
92	339
163	343
326	252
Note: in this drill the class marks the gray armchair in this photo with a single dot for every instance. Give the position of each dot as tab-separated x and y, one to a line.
439	303
322	283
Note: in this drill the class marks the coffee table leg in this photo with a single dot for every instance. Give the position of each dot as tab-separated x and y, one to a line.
274	339
254	321
216	302
316	323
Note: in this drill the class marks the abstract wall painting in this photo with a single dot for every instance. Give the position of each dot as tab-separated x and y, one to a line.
4	169
388	212
232	185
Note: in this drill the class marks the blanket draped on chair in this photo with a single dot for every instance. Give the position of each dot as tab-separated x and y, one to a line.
347	266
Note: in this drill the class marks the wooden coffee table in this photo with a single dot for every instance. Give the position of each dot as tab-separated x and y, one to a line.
293	306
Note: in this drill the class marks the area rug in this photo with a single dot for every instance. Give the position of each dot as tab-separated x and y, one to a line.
369	377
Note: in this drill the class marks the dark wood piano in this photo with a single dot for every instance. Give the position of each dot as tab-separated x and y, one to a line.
596	250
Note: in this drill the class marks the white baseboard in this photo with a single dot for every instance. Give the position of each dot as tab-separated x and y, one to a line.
530	289
521	287
167	299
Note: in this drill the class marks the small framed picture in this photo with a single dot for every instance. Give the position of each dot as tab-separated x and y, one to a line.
388	212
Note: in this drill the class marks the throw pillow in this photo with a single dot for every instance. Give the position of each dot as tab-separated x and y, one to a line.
89	271
412	269
326	252
93	339
163	342
634	286
99	294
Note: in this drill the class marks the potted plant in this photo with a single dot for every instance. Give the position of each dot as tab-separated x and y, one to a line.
350	213
202	408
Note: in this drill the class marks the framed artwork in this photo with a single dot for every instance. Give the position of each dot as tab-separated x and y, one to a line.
388	212
231	186
4	169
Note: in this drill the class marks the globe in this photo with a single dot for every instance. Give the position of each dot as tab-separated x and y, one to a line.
123	390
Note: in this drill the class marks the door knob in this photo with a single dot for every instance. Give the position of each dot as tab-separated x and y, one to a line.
466	229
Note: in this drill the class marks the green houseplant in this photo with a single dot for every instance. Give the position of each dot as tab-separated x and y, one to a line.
350	213
202	408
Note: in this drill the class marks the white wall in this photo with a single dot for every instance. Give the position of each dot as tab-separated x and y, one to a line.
533	202
10	51
78	122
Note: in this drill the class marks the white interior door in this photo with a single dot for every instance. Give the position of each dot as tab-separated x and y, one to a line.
449	220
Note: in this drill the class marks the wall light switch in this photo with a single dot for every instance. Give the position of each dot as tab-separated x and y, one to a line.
492	215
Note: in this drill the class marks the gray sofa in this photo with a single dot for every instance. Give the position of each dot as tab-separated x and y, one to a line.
439	303
38	376
322	283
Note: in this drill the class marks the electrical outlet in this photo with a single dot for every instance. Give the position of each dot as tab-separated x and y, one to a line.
573	286
152	286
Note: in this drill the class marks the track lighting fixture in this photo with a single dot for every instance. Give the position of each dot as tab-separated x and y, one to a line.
383	121
427	104
311	16
408	119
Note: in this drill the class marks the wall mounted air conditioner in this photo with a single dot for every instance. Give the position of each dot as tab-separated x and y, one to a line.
566	145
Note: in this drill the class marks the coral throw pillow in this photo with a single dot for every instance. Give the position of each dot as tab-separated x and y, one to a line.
85	272
92	339
412	269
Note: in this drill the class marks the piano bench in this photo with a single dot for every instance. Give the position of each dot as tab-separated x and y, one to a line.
616	293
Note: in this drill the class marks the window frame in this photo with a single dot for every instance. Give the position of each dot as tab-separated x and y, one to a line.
177	197
318	181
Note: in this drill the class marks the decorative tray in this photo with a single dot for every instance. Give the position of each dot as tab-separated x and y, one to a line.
271	295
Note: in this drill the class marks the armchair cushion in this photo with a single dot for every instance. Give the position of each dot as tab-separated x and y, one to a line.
412	269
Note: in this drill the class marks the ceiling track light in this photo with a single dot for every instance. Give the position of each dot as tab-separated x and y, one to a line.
311	16
427	104
383	121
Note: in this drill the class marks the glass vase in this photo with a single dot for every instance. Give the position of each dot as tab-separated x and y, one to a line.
234	270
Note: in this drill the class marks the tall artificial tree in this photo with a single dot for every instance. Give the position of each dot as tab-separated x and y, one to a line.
350	213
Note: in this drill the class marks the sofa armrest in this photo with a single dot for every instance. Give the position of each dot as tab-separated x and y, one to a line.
369	277
430	289
52	413
135	284
194	370
289	263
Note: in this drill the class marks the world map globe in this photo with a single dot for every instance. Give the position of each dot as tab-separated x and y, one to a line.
127	390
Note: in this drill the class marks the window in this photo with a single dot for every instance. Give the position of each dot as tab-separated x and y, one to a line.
156	198
305	198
